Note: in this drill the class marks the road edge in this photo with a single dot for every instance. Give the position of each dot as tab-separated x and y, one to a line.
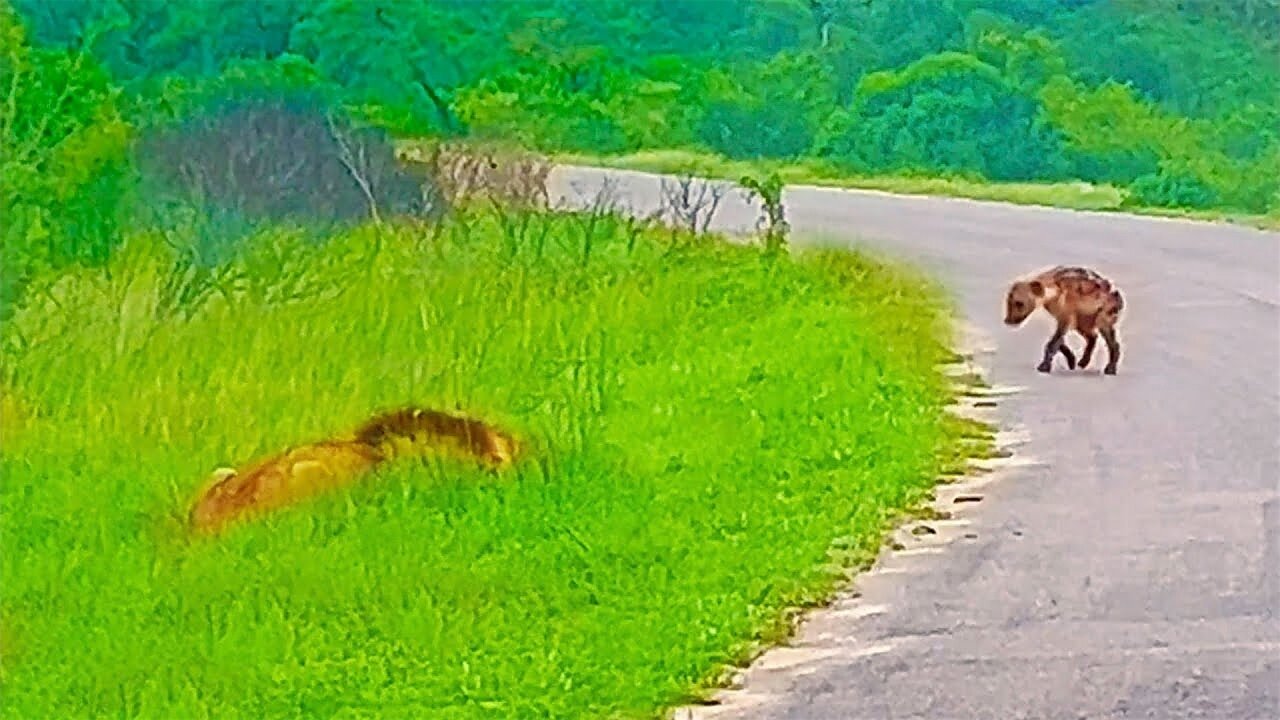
1028	207
935	525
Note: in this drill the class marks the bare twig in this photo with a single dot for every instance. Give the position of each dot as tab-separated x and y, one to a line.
691	202
349	162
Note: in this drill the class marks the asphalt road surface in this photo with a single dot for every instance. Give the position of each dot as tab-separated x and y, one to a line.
1132	570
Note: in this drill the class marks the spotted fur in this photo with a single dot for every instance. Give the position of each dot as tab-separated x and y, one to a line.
1079	299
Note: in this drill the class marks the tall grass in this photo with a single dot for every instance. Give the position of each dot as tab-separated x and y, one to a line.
708	424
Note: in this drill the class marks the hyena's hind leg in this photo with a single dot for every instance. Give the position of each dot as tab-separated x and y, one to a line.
1107	326
1113	349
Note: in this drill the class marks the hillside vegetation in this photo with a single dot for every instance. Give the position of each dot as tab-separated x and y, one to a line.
1175	103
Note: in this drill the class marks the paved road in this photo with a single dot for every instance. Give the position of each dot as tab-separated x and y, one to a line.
1136	572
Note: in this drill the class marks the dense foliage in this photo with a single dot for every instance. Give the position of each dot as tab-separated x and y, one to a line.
62	166
1177	103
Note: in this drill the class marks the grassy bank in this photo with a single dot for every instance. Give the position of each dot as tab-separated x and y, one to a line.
1074	196
712	430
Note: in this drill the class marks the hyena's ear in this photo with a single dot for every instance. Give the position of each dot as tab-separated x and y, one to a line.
1037	288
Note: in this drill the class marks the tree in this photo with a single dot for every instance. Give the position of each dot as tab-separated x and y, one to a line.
948	113
390	54
63	162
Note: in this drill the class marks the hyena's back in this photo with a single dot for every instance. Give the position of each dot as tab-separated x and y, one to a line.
1080	291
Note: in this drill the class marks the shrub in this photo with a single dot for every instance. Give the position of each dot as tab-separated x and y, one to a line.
950	113
748	129
1172	189
278	157
64	169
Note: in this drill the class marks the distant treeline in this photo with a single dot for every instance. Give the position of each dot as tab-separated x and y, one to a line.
1176	101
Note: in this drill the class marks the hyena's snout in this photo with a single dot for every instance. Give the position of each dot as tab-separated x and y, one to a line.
1016	311
1014	318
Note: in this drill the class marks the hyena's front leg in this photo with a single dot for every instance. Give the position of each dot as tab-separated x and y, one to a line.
1052	347
1113	349
1067	355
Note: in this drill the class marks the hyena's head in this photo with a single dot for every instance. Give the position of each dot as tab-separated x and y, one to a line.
1021	300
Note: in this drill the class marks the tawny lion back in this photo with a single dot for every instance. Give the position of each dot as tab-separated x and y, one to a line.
318	467
281	480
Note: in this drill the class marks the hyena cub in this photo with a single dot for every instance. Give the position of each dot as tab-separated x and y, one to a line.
1078	299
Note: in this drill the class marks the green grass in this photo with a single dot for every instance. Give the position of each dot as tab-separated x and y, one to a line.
716	434
1070	195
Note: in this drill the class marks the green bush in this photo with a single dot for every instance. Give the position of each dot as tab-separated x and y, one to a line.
948	113
1172	190
748	129
64	165
1117	167
279	157
767	110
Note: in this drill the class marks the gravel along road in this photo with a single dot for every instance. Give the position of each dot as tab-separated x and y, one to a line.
1130	566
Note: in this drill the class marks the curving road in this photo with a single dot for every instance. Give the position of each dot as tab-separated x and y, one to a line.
1133	571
